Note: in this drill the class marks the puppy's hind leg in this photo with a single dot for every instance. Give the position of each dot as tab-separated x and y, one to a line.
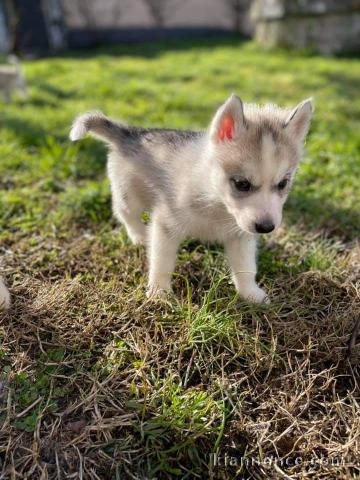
128	210
128	197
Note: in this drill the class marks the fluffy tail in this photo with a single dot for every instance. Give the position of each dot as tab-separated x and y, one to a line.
96	124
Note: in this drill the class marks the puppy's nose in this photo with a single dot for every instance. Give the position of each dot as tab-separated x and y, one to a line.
264	227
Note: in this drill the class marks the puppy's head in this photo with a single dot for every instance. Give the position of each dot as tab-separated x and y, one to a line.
254	154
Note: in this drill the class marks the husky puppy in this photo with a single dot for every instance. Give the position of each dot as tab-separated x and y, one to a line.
12	78
227	184
4	296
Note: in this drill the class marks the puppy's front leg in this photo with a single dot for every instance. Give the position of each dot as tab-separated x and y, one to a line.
162	257
241	252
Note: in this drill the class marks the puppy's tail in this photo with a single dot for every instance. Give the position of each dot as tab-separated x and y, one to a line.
97	125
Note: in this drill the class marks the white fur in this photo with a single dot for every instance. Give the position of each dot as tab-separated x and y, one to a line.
187	184
4	296
79	128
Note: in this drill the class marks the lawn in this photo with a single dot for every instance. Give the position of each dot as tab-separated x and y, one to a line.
99	383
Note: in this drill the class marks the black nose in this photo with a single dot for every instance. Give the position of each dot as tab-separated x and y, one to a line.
265	227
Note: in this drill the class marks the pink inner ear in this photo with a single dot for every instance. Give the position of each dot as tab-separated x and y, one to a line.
227	128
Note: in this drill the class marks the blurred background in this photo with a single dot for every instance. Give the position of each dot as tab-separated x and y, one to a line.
38	27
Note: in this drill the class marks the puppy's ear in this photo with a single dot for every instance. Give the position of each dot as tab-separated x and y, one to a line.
228	121
298	122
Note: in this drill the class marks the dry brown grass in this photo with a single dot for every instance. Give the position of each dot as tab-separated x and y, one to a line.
277	381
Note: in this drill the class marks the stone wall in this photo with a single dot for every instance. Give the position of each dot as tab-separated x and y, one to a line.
219	14
326	26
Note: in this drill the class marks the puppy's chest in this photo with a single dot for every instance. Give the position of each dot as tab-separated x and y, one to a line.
206	224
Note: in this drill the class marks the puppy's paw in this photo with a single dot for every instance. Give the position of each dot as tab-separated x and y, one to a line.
154	292
254	294
138	239
4	296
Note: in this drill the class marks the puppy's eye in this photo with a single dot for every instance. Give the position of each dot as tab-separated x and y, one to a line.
241	185
281	185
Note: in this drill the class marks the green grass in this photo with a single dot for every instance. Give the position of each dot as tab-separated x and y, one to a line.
97	379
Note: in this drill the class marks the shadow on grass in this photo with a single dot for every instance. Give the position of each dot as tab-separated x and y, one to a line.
147	44
28	133
159	46
152	42
346	87
88	159
48	95
321	214
58	93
